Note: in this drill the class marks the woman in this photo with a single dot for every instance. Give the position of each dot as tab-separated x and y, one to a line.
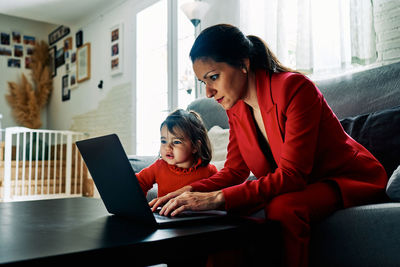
284	132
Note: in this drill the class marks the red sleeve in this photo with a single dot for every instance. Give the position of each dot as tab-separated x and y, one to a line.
234	172
147	177
301	104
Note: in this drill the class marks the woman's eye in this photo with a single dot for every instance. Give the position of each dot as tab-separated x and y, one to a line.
163	142
214	77
177	142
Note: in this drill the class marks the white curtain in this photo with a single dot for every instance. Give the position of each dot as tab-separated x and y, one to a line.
313	35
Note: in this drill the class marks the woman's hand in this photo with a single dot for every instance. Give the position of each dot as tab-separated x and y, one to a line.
155	203
193	201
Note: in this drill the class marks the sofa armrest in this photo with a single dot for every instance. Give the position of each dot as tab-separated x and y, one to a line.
140	162
359	236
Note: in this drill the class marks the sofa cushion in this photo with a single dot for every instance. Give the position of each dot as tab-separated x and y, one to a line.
393	186
379	132
140	162
362	92
210	111
219	139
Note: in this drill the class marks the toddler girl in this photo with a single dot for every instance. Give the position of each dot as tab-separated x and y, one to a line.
185	154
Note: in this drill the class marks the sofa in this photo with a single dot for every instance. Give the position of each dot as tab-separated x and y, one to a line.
367	104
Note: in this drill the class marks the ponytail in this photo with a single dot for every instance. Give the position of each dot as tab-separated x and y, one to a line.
261	57
226	43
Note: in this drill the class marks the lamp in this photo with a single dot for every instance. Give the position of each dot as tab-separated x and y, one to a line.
195	11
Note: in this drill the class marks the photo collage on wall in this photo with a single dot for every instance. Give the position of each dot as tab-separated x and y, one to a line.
17	48
64	58
116	57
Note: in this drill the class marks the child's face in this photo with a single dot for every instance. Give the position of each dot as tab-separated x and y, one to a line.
176	149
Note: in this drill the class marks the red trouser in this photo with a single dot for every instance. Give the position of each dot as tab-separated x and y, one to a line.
296	211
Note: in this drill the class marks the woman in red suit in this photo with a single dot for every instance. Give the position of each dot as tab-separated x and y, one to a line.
284	132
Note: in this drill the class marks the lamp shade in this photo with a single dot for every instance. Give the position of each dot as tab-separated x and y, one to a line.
195	11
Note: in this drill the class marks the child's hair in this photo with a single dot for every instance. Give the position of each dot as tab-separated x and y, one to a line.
191	125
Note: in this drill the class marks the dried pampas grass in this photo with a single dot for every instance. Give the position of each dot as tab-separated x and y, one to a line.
27	102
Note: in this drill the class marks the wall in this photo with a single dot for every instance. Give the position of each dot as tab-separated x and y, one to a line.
91	109
37	29
387	28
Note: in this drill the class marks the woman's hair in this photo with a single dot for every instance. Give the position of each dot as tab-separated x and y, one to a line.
191	125
226	43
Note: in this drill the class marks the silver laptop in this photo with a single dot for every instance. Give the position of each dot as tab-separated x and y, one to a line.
119	188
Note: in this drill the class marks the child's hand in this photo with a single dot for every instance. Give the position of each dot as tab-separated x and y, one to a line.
160	201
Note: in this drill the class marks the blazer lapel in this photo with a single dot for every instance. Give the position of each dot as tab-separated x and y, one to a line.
248	141
269	113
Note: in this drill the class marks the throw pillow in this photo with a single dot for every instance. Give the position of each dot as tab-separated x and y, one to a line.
219	139
379	133
393	186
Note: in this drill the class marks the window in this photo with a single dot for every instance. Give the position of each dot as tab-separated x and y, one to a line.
165	78
319	37
151	76
186	81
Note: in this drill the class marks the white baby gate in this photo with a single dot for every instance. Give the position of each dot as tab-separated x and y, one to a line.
41	164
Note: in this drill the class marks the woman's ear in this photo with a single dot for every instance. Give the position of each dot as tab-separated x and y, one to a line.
246	65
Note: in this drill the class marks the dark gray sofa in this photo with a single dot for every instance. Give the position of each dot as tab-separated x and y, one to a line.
368	105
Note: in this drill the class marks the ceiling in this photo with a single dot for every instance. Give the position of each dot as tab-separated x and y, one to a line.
61	12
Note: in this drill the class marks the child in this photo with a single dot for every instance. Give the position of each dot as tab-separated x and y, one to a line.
185	152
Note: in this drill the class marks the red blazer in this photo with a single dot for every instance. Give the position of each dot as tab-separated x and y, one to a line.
308	144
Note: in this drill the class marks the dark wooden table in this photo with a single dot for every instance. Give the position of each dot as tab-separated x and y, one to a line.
74	230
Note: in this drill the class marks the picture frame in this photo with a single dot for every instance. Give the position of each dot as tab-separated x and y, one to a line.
52	61
65	91
16	37
116	49
68	44
60	57
83	63
57	34
73	83
5	38
29	40
14	63
79	39
18	51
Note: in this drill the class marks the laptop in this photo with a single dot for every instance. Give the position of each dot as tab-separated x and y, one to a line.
119	188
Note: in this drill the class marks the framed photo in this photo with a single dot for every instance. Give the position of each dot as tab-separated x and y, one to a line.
73	83
14	63
16	37
29	51
68	44
52	61
116	49
5	51
60	57
18	50
73	57
79	39
65	93
57	34
28	61
29	40
83	63
5	38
